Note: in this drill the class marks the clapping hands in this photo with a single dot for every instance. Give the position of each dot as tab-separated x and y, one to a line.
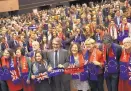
60	66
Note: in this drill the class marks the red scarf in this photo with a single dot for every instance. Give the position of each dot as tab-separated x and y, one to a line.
109	30
5	62
30	42
23	64
124	56
92	29
76	69
111	53
125	27
94	56
61	35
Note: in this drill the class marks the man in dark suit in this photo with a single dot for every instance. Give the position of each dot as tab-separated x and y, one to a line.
14	44
111	55
117	18
58	58
4	44
105	11
36	47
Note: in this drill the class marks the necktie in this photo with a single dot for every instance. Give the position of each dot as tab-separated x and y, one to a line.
6	44
112	32
107	54
19	66
15	42
56	59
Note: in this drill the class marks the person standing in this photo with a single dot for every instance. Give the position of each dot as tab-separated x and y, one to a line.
125	71
58	58
12	75
77	60
24	68
39	72
94	59
111	56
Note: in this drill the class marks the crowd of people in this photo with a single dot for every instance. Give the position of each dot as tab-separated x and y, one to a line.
78	46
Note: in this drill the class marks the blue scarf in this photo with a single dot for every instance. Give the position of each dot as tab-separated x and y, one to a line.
125	68
83	75
86	57
98	38
56	72
92	70
1	73
32	27
130	69
10	73
14	76
111	66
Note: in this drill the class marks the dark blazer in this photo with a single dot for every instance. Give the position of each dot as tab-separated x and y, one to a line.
67	42
63	57
60	79
3	46
105	12
115	20
12	45
118	51
80	38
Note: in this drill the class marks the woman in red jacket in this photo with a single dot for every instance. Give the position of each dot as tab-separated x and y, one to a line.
94	60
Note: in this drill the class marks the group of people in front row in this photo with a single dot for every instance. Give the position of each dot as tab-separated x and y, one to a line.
65	47
30	72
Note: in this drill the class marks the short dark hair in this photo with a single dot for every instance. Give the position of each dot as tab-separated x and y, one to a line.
22	50
41	53
79	48
10	52
107	38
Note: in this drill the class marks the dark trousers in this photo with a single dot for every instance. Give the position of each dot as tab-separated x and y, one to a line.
58	85
97	85
115	41
4	86
112	82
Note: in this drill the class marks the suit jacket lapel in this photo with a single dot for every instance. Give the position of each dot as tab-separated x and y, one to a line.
59	56
52	56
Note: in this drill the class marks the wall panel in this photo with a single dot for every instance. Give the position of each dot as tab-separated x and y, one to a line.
27	4
8	5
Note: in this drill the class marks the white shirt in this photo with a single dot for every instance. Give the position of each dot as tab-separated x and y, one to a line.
129	26
113	29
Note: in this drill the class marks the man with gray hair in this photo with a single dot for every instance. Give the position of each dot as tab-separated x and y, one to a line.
36	47
58	58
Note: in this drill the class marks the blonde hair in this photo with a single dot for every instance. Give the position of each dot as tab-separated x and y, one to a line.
35	43
89	41
128	39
